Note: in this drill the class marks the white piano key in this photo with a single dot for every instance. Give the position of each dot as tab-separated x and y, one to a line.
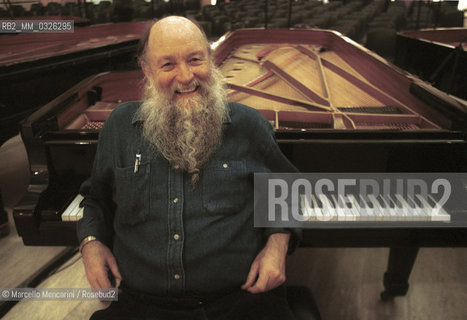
400	205
339	211
307	210
367	213
358	204
72	213
360	214
344	212
439	214
394	209
379	210
77	213
388	210
329	212
317	213
80	213
377	213
425	212
411	214
353	211
433	212
317	209
419	213
70	210
426	206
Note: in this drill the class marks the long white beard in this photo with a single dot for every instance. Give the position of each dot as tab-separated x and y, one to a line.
188	131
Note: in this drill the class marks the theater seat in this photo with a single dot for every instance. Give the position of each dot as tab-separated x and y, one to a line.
302	303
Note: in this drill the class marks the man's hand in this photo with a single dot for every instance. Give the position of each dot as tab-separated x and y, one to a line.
268	269
98	260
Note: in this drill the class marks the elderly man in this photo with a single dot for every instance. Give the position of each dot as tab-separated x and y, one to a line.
169	206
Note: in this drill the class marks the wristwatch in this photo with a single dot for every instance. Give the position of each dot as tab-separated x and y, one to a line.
86	241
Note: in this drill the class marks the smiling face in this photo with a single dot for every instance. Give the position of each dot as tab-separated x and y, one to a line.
183	103
177	59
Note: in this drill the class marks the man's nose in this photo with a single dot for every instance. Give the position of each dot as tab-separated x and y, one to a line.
185	75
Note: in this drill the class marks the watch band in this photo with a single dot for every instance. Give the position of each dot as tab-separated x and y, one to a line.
86	241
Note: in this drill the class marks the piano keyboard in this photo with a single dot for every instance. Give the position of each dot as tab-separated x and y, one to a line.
326	208
73	212
390	208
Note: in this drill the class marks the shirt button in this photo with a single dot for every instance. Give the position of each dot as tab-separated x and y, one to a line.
176	236
225	165
176	276
175	200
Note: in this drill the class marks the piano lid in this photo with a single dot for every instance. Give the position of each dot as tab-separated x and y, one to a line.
450	37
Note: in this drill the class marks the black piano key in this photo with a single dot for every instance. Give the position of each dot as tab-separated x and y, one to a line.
307	209
415	205
328	207
366	213
317	208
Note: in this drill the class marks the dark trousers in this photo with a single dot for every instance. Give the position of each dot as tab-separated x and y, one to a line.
237	305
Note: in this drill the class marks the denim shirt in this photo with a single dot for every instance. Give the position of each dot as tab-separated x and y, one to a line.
168	236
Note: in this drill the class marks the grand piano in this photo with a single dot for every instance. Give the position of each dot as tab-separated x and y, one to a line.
37	67
335	107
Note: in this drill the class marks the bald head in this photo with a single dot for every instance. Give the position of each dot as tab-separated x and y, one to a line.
177	58
174	28
177	26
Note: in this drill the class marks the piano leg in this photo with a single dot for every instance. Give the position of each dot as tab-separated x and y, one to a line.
396	278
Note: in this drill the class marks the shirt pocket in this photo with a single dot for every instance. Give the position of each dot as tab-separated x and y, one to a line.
132	194
225	187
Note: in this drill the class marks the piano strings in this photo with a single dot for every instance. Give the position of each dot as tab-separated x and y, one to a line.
308	79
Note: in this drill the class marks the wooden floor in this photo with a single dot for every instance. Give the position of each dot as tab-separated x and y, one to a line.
346	282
